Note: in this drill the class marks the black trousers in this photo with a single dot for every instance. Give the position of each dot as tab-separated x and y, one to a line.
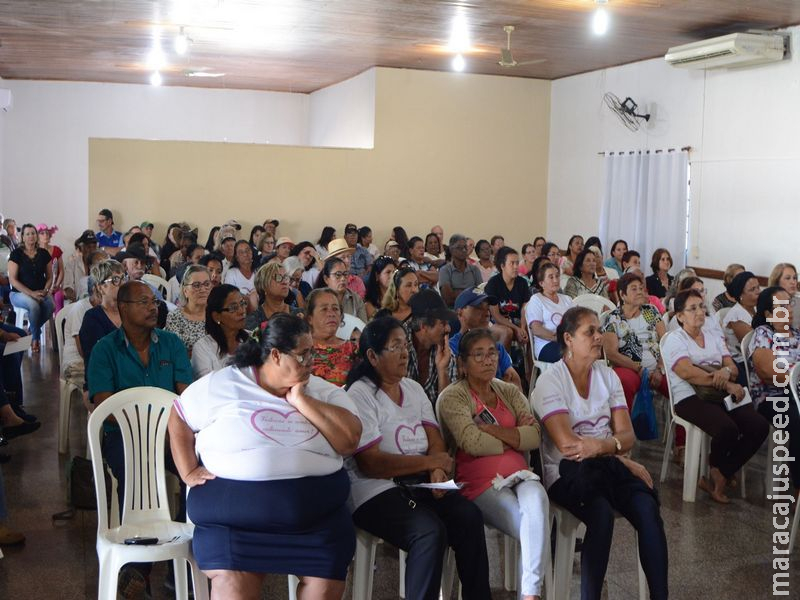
767	410
424	528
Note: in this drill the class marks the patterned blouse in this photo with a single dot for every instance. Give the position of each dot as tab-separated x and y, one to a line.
763	337
634	342
333	363
189	331
576	287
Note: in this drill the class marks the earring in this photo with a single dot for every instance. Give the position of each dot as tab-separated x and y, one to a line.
569	354
218	323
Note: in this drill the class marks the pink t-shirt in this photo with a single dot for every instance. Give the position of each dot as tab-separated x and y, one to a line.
477	472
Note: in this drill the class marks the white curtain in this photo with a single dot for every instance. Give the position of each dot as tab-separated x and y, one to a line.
645	203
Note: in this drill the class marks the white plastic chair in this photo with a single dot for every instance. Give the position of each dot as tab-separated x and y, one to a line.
720	315
67	389
697	444
594	301
742	477
174	290
142	414
794	380
349	324
22	318
158	282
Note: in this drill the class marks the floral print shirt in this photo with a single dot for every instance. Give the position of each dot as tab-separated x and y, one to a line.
763	337
333	363
635	342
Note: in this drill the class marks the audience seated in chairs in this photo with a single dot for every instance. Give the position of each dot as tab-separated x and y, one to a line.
544	312
458	275
702	373
402	287
45	234
378	282
14	420
659	282
427	274
236	460
491	448
785	276
224	325
334	275
725	300
581	405
774	335
485	262
189	321
298	289
241	273
574	248
73	368
307	254
738	321
512	293
614	261
77	265
272	288
331	357
401	444
213	262
327	235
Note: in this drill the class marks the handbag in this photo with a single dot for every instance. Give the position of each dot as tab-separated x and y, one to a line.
643	415
708	392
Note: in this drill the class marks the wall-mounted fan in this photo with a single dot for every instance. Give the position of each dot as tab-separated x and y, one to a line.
625	110
507	59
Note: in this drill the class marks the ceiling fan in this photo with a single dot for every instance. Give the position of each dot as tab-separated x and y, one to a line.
507	59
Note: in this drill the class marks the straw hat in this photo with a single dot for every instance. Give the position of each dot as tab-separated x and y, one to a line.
338	247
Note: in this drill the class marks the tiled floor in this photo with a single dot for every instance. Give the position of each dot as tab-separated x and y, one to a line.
716	552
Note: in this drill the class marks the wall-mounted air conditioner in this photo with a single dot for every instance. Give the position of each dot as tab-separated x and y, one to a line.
734	50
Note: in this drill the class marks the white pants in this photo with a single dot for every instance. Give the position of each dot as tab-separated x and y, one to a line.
522	513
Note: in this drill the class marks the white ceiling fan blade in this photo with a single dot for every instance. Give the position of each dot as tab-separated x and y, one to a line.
532	62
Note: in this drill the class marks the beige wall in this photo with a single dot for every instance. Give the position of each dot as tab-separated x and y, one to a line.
468	152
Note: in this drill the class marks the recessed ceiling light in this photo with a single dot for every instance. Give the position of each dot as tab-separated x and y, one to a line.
156	59
458	63
459	36
600	18
155	79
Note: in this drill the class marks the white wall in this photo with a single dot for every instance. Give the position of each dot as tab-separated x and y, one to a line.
742	128
44	166
343	115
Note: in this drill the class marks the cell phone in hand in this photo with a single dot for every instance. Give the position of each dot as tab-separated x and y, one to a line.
484	417
141	541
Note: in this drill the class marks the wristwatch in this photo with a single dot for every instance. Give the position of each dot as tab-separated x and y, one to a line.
617	444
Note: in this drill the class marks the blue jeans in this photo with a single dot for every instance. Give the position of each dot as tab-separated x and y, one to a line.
39	313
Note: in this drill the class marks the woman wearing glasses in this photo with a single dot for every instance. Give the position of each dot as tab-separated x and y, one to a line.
401	445
272	287
189	321
224	325
490	425
264	432
334	276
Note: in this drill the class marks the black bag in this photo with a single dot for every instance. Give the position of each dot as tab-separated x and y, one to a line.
80	488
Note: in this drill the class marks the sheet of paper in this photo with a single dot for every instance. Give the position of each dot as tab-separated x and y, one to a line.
445	485
20	345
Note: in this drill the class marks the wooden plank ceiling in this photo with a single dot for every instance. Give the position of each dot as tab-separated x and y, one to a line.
304	45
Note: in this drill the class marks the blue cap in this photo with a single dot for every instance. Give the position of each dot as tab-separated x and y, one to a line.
473	297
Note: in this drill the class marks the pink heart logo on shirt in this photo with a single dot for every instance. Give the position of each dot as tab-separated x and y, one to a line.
408	439
284	428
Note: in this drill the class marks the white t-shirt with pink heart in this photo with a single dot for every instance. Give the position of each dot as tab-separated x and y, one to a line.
247	434
395	429
543	310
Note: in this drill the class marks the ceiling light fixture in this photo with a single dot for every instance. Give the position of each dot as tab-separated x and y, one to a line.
600	19
181	42
156	59
458	63
156	79
459	36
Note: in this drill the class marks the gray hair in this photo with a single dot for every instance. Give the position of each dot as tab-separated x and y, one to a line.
105	269
457	237
187	275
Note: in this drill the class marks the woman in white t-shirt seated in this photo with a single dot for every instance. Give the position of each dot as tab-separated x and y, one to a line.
701	374
544	311
401	445
268	491
587	432
225	313
242	272
737	322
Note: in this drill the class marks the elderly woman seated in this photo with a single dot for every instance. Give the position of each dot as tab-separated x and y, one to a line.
400	446
189	321
584	278
702	374
224	325
737	322
785	276
267	433
544	312
725	300
588	431
332	357
774	351
630	339
272	287
489	423
334	275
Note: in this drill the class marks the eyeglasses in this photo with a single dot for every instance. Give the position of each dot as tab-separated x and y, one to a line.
302	359
396	348
338	274
234	308
198	285
280	278
492	355
694	308
295	280
458	247
116	280
144	302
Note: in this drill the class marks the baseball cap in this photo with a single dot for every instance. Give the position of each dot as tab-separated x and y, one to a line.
107	214
233	223
428	304
473	297
275	222
87	237
132	251
146	224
